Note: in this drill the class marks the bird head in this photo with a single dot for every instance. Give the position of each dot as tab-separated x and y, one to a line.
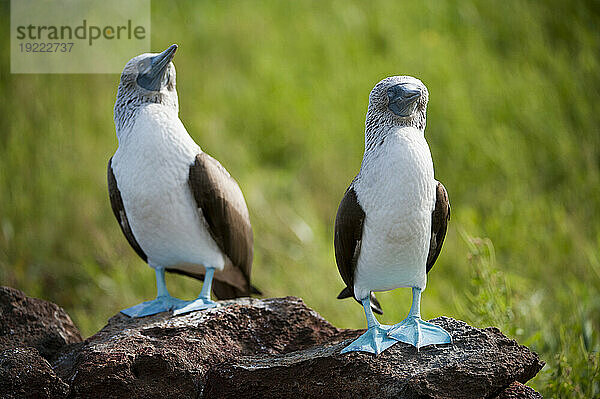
148	78
399	101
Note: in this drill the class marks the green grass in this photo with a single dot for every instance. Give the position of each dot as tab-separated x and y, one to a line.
277	91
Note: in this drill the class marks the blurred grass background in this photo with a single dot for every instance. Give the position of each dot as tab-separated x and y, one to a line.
277	91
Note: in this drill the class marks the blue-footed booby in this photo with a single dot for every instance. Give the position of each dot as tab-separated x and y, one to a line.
392	220
177	206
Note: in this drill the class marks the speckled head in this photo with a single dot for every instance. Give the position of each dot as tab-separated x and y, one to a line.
398	101
147	78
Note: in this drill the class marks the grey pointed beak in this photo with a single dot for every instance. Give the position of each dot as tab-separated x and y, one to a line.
402	98
152	79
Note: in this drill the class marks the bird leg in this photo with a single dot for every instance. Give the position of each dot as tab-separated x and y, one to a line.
164	302
161	285
375	340
415	331
203	301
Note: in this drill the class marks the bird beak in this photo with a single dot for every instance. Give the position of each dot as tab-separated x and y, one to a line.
152	79
402	98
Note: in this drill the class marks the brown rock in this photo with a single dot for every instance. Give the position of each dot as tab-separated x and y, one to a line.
277	347
26	321
516	390
25	374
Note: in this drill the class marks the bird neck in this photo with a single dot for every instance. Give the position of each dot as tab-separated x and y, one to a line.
149	115
128	105
124	116
378	126
377	137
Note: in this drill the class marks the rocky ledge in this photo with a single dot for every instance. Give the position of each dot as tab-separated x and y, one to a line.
250	348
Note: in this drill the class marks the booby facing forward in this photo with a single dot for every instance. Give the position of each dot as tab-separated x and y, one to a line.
392	220
178	207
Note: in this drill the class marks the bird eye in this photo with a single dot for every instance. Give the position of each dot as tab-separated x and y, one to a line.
144	65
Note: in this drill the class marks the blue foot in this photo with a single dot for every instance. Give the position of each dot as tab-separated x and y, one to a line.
375	340
203	301
417	332
163	303
198	304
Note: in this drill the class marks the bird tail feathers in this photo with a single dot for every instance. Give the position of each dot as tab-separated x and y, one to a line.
255	291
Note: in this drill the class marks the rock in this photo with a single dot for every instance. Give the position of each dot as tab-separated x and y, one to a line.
278	347
249	348
26	321
516	390
25	374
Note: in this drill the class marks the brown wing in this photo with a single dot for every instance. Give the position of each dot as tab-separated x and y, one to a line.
347	241
348	235
116	202
223	206
439	224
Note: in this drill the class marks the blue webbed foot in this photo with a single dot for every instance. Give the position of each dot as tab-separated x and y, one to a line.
203	301
375	340
417	332
198	304
162	303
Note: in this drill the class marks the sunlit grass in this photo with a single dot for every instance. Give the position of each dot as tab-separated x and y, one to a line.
277	91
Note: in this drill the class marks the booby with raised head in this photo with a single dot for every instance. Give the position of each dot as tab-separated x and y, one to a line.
392	220
177	206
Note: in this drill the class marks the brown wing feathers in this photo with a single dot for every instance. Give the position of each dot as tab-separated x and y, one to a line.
439	224
224	209
347	240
